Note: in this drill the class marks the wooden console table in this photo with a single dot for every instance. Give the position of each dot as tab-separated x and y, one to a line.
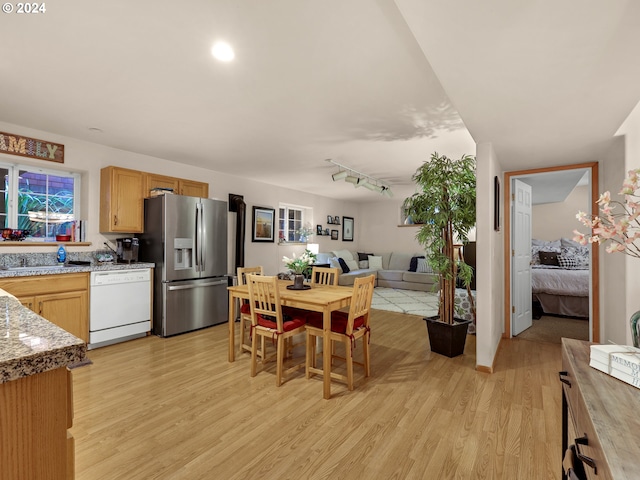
600	415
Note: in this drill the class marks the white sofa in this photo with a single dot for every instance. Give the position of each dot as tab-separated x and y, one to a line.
393	274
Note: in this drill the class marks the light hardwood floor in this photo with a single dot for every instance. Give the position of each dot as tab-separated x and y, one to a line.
176	409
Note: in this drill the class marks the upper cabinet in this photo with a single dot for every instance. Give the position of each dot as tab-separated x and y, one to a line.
178	185
122	194
194	189
121	200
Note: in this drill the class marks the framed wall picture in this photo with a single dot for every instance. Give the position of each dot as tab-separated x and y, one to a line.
318	229
334	234
347	229
263	227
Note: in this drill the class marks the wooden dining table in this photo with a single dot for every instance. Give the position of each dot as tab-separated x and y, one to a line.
319	298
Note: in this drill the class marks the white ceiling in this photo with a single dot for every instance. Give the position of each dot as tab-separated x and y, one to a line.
373	84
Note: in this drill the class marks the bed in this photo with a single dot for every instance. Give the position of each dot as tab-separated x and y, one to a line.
560	277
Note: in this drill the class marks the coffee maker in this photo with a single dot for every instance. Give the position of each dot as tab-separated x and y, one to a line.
127	249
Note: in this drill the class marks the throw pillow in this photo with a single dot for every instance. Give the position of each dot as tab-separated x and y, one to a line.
423	266
414	263
581	252
352	264
549	258
363	256
375	263
334	263
568	261
343	265
346	254
364	264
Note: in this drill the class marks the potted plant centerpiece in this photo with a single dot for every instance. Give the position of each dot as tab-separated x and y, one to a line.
445	206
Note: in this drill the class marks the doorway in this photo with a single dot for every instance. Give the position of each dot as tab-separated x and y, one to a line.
548	176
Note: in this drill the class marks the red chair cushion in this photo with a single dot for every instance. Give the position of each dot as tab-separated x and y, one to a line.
245	309
339	321
290	323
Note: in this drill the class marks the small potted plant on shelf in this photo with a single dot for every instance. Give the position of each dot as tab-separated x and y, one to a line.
445	205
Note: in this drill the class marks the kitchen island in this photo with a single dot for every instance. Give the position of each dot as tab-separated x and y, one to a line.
35	394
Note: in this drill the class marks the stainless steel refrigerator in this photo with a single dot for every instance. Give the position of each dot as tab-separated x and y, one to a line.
186	237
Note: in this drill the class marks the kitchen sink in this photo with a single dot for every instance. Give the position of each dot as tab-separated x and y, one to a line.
35	267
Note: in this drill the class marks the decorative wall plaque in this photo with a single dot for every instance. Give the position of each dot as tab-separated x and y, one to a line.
31	147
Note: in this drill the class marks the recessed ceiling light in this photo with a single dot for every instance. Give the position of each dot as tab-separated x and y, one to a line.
223	51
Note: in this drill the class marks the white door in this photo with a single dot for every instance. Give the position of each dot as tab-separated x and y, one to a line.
521	318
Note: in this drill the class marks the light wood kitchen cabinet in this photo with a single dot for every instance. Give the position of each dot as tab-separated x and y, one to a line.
35	415
121	198
179	186
122	194
194	189
61	299
152	180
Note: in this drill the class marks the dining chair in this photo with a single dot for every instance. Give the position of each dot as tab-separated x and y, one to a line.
269	322
245	310
324	276
347	328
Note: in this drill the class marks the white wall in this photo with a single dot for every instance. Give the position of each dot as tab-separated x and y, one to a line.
88	158
489	263
631	131
379	231
613	324
552	221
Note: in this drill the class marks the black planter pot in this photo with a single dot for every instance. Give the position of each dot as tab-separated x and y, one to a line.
445	339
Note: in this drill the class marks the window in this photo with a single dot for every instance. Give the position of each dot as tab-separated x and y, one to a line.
43	202
291	223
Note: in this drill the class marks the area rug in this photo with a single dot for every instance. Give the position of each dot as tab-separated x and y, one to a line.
405	301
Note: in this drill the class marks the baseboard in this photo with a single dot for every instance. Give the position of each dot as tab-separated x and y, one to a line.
490	369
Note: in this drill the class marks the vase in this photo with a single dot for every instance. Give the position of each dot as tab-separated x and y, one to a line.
635	329
298	282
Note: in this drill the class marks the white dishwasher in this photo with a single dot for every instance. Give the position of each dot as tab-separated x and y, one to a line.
120	306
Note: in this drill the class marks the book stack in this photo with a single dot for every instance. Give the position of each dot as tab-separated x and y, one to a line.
619	361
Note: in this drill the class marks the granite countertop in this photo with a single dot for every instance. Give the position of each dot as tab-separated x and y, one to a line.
29	344
69	268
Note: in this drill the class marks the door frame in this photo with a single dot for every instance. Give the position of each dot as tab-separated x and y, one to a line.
594	265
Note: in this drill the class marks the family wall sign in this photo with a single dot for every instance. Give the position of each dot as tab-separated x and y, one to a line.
31	147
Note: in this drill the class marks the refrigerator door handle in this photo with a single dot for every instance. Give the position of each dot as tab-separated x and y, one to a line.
198	235
189	287
203	235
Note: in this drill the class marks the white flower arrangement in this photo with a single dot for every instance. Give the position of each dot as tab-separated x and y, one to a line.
298	265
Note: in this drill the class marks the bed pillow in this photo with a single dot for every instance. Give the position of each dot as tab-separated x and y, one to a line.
413	265
549	258
581	252
536	249
375	262
568	261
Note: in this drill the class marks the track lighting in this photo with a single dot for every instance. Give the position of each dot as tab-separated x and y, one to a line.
340	175
359	179
352	179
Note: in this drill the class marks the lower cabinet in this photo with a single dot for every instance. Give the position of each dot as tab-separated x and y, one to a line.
61	299
35	413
